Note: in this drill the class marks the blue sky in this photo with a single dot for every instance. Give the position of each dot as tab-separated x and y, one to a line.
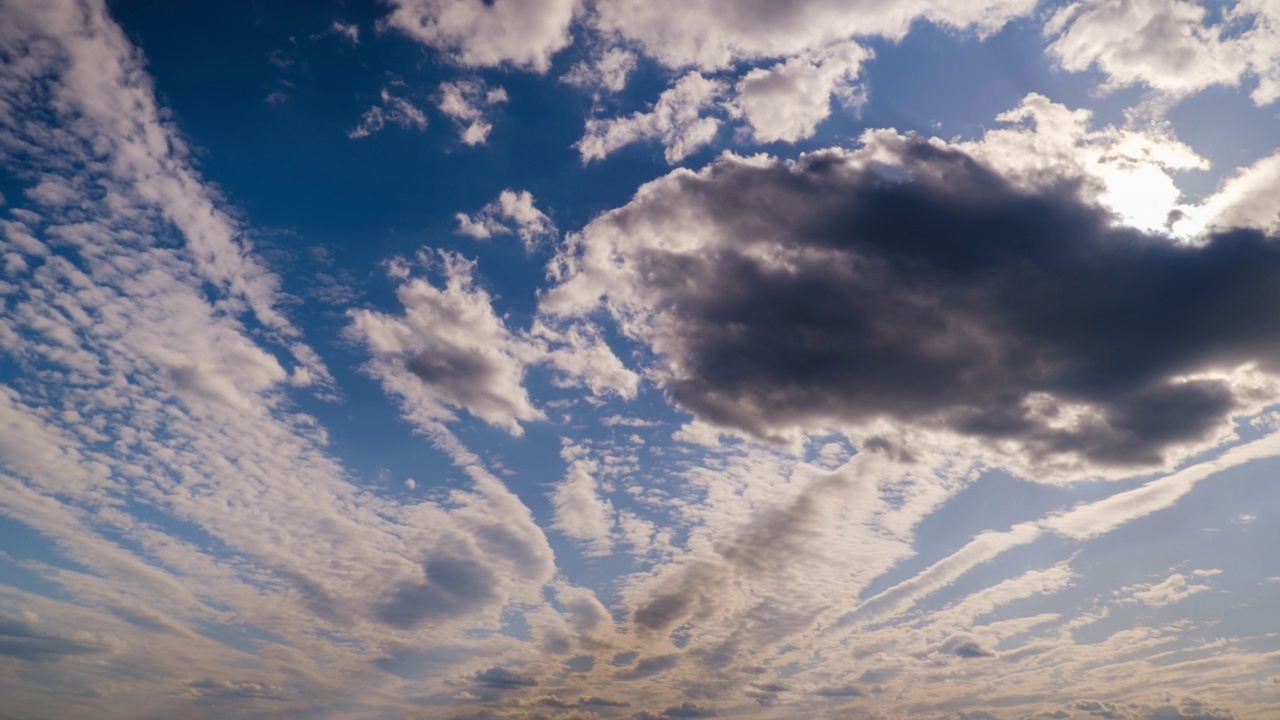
596	359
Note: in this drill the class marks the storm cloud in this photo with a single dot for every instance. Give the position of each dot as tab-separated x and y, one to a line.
909	284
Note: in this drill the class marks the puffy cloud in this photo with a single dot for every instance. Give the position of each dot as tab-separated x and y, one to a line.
608	72
449	349
481	33
782	296
787	101
466	101
581	512
393	110
715	34
1169	46
512	213
677	119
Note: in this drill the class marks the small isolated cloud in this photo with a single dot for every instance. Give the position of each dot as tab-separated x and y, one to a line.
608	72
785	102
392	110
1175	588
349	31
411	484
512	213
449	349
678	120
488	33
467	102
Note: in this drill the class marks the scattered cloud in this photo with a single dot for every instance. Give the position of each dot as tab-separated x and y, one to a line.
393	110
512	213
467	102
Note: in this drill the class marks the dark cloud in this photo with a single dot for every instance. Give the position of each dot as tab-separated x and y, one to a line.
1100	709
454	586
602	702
1190	709
504	679
793	295
971	649
840	691
19	639
651	666
232	690
689	710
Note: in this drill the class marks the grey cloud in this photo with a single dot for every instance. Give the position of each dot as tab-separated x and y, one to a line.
651	666
20	640
217	689
689	710
504	679
602	702
785	296
971	649
1100	709
453	587
840	691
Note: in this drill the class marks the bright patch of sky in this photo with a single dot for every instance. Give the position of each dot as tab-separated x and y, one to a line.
624	359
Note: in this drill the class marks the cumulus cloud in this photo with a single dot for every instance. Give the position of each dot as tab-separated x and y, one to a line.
480	33
715	34
796	295
678	120
467	101
512	213
393	110
1169	46
449	349
785	102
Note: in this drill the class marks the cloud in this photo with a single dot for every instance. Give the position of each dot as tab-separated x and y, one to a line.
479	33
1169	46
716	34
22	638
581	512
777	296
1175	588
608	72
677	120
785	102
467	101
504	679
393	110
449	349
512	213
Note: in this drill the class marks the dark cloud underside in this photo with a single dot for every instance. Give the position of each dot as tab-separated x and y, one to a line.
934	292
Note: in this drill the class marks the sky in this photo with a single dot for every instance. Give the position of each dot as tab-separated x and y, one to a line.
634	360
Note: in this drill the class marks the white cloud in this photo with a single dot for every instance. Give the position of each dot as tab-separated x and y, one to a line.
581	512
350	31
449	349
1168	46
466	101
677	120
512	213
476	33
785	102
1175	588
715	34
608	72
393	110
